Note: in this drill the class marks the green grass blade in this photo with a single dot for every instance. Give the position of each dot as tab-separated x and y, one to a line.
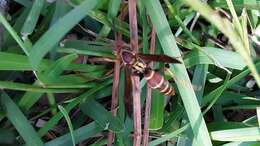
157	110
51	73
26	87
7	137
239	134
169	136
52	103
58	30
61	8
186	91
249	143
55	119
11	61
26	3
258	115
199	79
16	62
105	119
186	30
239	4
20	122
83	47
32	18
114	6
216	56
217	94
66	115
13	33
80	134
106	20
232	81
229	30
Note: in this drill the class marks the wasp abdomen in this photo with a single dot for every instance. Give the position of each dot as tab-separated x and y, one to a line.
156	81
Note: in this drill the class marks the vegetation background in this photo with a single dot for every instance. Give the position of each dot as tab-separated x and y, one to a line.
62	82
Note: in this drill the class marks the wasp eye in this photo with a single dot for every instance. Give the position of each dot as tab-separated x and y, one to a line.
127	57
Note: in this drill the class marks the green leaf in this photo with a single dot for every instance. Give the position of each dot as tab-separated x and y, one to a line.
214	56
26	87
217	93
105	119
114	6
66	115
52	73
20	122
58	30
7	137
232	81
80	134
186	91
239	4
157	110
32	18
55	119
14	34
83	47
169	136
239	134
198	80
26	3
249	143
231	30
11	61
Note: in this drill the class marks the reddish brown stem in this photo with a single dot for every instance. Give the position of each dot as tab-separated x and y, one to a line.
115	91
148	96
115	88
135	79
136	110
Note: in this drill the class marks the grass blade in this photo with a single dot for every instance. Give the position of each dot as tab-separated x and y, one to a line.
239	134
58	30
227	28
80	134
66	115
20	122
157	110
13	33
54	120
26	87
105	119
32	18
169	136
186	91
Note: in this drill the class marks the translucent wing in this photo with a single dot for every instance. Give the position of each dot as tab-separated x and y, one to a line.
159	58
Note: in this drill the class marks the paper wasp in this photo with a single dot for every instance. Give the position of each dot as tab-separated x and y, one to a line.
137	64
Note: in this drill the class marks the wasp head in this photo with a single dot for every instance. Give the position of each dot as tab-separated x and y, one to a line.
128	57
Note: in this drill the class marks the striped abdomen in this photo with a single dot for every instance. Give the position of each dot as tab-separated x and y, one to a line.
156	81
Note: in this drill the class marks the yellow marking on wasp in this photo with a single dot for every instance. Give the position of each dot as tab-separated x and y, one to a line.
169	91
159	85
138	68
151	75
141	64
165	88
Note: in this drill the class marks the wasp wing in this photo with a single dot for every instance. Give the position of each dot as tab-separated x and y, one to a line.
158	58
128	92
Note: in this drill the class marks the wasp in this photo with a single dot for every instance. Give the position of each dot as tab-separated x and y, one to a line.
136	62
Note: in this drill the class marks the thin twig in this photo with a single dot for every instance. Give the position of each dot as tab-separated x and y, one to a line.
115	91
117	65
135	79
148	96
